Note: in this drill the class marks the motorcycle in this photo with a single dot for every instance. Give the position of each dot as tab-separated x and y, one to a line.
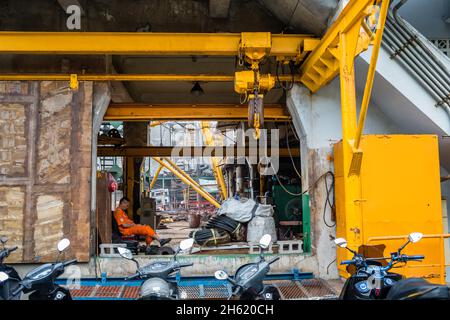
248	279
157	286
12	282
373	281
40	282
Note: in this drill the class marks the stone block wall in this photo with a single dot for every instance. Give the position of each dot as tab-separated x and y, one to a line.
45	168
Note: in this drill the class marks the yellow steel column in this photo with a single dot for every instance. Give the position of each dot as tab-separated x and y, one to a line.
371	73
217	169
351	183
155	177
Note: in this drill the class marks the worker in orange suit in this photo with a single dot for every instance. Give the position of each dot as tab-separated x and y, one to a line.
128	228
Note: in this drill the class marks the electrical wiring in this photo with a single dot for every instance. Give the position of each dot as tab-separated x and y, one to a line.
291	69
290	154
286	190
329	265
327	199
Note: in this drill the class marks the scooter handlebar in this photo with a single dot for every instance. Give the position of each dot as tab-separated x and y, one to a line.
273	260
346	262
68	263
415	257
185	264
13	249
132	276
18	290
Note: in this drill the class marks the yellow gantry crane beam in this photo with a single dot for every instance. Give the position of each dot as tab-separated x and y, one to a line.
147	43
217	169
148	77
171	112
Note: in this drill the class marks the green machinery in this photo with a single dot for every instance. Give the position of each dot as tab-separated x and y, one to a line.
292	213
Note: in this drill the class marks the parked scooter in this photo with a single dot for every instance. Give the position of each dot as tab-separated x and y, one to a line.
157	286
248	280
40	282
12	282
372	281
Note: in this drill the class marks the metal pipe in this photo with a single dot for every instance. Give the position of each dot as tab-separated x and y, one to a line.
199	190
416	65
390	46
421	55
239	180
393	42
418	59
250	169
371	72
427	57
427	51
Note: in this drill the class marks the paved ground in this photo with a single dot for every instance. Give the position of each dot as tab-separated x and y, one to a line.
178	230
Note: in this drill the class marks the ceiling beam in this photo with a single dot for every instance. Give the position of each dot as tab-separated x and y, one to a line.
155	151
219	8
210	112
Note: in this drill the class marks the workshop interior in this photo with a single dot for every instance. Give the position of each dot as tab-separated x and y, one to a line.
224	149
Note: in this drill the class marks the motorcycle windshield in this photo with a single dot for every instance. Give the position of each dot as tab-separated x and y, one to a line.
246	272
40	272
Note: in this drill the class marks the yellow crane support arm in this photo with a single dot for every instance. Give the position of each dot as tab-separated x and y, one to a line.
155	177
217	169
189	182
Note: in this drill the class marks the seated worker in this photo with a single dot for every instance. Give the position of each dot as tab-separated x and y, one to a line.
128	228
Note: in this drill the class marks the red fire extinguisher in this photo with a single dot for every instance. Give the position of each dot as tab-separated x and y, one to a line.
112	184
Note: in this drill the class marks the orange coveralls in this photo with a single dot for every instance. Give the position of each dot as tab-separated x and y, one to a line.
138	229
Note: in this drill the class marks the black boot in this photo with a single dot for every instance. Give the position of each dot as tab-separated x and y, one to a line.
162	242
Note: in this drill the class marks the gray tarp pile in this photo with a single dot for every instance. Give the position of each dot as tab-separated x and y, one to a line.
233	212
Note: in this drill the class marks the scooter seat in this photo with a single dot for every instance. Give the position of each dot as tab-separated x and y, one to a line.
417	288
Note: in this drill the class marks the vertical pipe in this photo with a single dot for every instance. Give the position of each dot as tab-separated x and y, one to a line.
442	267
239	180
130	183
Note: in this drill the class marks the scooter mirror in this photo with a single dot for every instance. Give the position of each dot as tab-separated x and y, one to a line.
341	242
63	244
3	277
264	243
186	244
220	275
125	253
4	239
415	237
